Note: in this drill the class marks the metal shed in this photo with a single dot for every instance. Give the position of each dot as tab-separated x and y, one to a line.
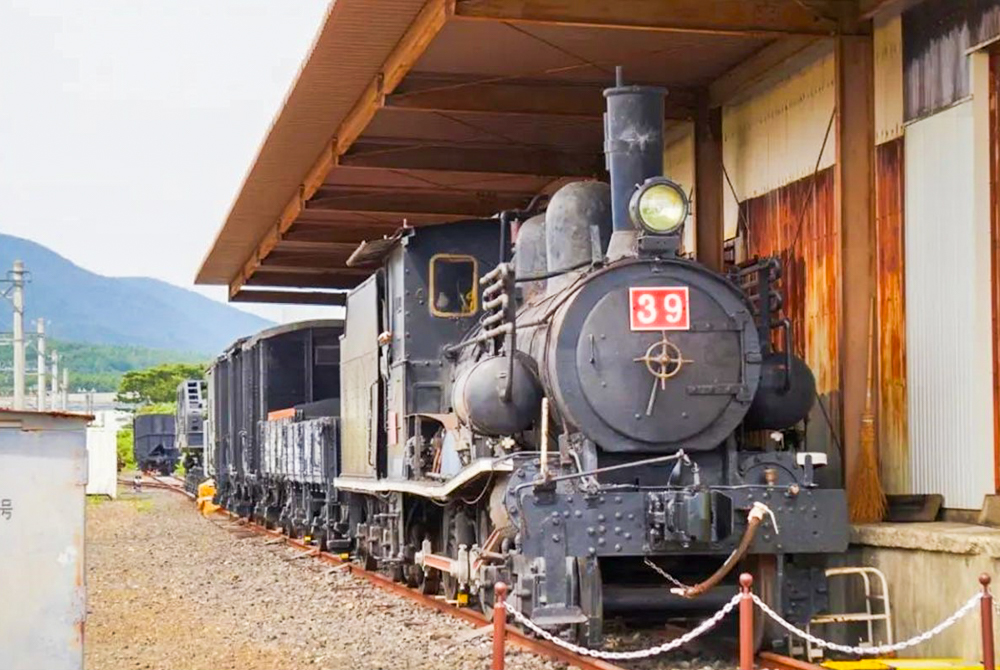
42	480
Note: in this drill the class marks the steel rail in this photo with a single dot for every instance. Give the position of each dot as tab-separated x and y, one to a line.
519	638
772	661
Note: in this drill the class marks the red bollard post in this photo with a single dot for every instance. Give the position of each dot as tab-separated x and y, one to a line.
499	624
746	622
986	619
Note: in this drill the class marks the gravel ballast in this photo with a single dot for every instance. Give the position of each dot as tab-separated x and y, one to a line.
170	590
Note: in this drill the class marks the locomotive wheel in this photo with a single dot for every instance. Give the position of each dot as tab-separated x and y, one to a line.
458	529
485	592
413	573
431	583
764	568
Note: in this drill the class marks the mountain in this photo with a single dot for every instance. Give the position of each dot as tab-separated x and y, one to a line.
82	306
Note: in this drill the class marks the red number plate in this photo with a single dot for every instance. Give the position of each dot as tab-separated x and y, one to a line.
659	308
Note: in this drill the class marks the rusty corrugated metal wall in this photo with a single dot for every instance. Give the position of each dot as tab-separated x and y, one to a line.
798	223
771	143
994	89
894	453
773	138
891	309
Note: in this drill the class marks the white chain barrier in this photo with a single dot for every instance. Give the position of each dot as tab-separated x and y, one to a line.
871	651
714	620
701	629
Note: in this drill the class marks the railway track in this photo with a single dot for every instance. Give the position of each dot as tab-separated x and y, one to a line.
515	636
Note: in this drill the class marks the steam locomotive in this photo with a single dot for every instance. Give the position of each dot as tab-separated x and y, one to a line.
557	399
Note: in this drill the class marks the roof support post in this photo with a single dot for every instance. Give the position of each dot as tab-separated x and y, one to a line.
855	207
708	190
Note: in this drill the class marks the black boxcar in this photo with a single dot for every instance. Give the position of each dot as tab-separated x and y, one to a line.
153	442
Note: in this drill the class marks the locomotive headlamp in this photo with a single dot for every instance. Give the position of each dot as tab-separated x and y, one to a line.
658	206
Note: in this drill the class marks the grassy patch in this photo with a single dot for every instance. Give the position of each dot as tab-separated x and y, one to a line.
143	505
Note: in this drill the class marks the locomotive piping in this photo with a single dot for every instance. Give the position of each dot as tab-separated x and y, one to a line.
679	455
754	519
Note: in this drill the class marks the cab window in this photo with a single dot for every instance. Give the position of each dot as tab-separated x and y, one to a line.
454	285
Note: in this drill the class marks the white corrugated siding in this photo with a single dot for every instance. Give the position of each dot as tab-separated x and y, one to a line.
678	164
773	138
948	317
102	454
888	45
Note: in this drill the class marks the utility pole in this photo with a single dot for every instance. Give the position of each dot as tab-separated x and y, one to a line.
65	385
40	348
55	380
17	285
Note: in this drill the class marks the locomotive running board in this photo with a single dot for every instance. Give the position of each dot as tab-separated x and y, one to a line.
435	490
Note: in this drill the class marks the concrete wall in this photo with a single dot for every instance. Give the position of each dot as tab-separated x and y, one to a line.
926	586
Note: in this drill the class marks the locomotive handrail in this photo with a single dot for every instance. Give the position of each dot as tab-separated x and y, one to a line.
541	276
679	455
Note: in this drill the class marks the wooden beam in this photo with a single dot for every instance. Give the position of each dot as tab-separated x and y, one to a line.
452	204
462	95
305	260
709	184
769	65
481	158
868	9
855	207
400	60
367	217
289	244
348	233
718	17
291	297
296	278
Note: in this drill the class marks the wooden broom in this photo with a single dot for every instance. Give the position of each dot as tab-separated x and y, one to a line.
866	498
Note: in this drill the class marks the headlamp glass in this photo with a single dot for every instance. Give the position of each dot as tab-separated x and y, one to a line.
659	206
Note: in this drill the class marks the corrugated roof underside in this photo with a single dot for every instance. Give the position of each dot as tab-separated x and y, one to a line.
357	37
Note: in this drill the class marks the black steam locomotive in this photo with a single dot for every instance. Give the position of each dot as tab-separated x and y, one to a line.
559	400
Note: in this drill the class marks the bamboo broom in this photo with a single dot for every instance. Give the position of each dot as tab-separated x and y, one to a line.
866	497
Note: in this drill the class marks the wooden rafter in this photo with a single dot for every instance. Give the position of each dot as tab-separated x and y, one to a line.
448	203
464	157
410	47
449	94
314	246
337	234
291	297
719	17
301	278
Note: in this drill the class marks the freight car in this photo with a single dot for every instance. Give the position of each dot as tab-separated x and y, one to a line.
273	401
189	422
153	443
585	414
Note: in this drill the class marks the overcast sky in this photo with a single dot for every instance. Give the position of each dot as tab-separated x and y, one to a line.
126	126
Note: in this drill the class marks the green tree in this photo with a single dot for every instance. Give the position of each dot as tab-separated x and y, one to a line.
157	384
126	455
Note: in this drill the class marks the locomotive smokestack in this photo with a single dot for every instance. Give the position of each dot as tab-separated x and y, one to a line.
633	142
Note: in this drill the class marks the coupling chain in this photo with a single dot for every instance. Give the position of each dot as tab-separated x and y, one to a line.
870	651
666	575
701	629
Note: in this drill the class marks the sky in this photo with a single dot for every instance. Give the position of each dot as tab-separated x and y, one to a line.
127	126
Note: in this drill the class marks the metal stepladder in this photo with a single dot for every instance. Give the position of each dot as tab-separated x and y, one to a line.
870	616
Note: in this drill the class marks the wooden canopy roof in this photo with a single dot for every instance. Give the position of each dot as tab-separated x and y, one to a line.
435	110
